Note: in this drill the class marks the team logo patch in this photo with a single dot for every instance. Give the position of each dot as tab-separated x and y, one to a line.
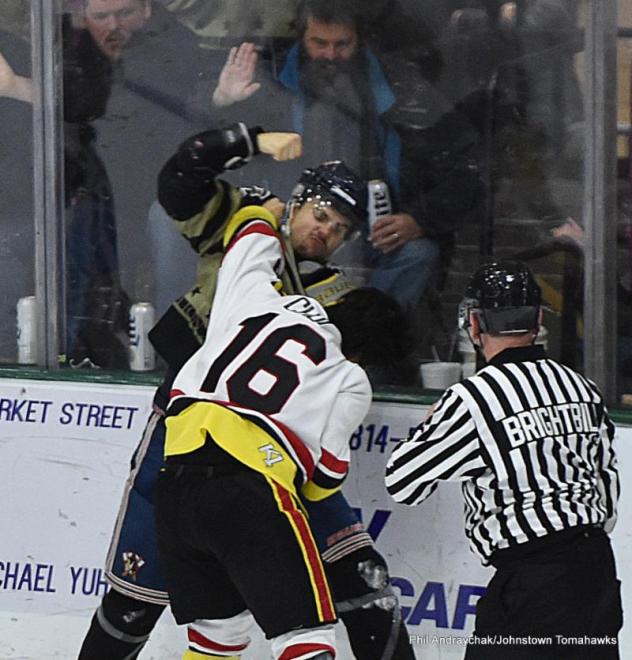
272	456
132	563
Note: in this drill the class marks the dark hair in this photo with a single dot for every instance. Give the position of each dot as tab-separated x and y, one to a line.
340	12
87	75
373	325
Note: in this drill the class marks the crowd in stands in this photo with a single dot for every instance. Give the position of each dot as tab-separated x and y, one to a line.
469	111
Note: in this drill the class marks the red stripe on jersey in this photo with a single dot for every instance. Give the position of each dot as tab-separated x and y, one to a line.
297	650
198	638
334	464
174	393
299	447
253	227
315	566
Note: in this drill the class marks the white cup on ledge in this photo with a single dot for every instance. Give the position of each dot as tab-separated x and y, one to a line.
439	375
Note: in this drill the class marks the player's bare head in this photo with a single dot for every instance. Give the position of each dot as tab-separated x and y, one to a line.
327	205
329	29
113	22
503	298
374	327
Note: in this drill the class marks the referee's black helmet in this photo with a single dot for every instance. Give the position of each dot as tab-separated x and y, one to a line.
333	183
505	298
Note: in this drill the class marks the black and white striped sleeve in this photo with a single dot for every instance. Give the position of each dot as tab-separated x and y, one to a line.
608	471
445	447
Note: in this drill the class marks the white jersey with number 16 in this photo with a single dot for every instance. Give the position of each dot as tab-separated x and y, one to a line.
276	359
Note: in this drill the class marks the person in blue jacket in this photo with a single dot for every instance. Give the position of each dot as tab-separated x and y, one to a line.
334	91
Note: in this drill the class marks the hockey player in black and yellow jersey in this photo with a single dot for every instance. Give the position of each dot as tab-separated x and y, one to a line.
328	202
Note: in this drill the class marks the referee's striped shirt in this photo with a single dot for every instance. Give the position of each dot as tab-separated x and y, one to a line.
531	441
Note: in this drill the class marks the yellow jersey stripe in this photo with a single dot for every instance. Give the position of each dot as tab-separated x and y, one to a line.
315	493
194	655
244	216
246	441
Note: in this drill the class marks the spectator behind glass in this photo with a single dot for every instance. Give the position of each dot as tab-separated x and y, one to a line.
16	186
157	69
571	235
95	302
99	38
333	89
112	23
512	70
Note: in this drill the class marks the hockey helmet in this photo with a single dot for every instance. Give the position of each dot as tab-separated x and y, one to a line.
334	184
505	298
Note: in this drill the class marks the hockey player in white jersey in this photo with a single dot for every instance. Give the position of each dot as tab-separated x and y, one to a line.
261	411
274	357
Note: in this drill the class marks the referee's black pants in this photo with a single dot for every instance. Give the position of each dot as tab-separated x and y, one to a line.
560	603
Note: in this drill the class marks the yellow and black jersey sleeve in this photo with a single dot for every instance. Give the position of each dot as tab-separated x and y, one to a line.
244	217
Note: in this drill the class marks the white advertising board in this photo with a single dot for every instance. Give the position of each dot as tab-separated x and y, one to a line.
65	451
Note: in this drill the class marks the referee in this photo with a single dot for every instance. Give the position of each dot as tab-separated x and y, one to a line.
531	442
